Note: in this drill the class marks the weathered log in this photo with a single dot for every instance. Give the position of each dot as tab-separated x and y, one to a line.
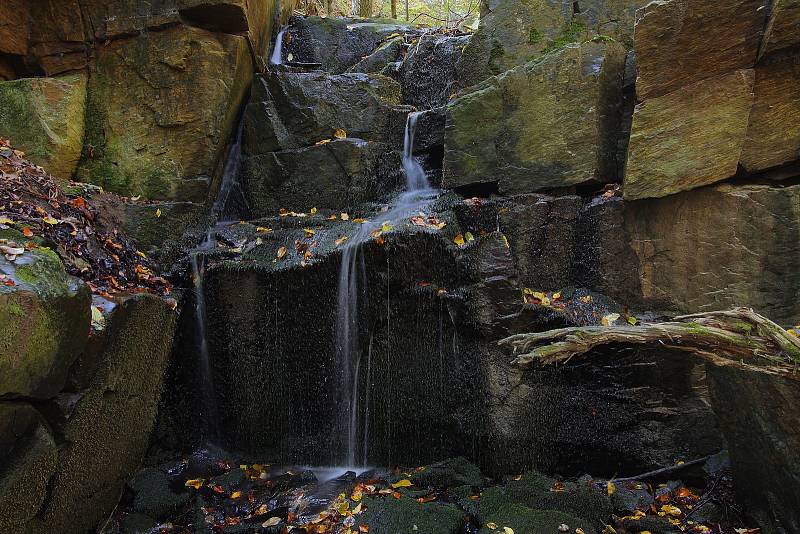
738	338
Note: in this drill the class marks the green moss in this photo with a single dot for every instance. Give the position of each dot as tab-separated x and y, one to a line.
570	33
46	273
535	36
15	309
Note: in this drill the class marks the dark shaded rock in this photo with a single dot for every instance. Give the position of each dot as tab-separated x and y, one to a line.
657	525
335	175
106	436
137	524
626	413
152	494
336	43
756	412
293	110
523	519
14	27
387	52
27	461
386	515
44	324
631	496
428	72
429	134
448	473
707	39
548	124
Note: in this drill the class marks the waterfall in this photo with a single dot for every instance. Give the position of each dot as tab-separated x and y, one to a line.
210	414
277	50
351	426
231	202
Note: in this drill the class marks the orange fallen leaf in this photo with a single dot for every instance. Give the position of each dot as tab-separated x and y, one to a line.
27	232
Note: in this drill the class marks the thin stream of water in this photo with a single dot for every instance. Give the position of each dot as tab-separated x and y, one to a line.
277	51
351	289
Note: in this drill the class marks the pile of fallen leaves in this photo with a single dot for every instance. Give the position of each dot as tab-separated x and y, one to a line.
32	202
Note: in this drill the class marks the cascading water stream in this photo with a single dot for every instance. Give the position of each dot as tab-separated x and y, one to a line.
277	51
352	287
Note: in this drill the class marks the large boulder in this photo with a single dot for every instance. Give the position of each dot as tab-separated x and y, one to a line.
45	118
159	113
14	27
44	323
773	135
293	110
334	175
550	123
114	19
58	40
105	433
514	32
387	52
706	38
690	137
333	42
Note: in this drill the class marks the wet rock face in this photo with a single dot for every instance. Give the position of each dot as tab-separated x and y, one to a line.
335	43
387	52
547	124
45	118
782	27
338	174
294	110
428	72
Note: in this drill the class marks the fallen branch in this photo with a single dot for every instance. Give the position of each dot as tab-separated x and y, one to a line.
738	337
664	470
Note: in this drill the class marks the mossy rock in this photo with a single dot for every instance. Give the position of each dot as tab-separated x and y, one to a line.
387	515
44	117
523	519
449	473
160	110
44	324
108	431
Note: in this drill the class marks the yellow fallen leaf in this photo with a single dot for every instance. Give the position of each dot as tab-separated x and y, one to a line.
386	227
339	134
611	488
158	212
579	530
671	510
322	142
631	320
313	211
263	230
141	254
459	240
282	252
271	522
6	220
236	494
491	525
402	483
195	483
508	530
344	216
586	299
356	510
359	220
469	237
341	240
610	319
49	220
505	240
309	232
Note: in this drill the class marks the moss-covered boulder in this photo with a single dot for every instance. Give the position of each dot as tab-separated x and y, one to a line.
547	124
773	134
678	44
44	117
28	458
293	110
387	515
335	43
44	323
690	137
514	32
529	503
334	175
160	108
106	434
